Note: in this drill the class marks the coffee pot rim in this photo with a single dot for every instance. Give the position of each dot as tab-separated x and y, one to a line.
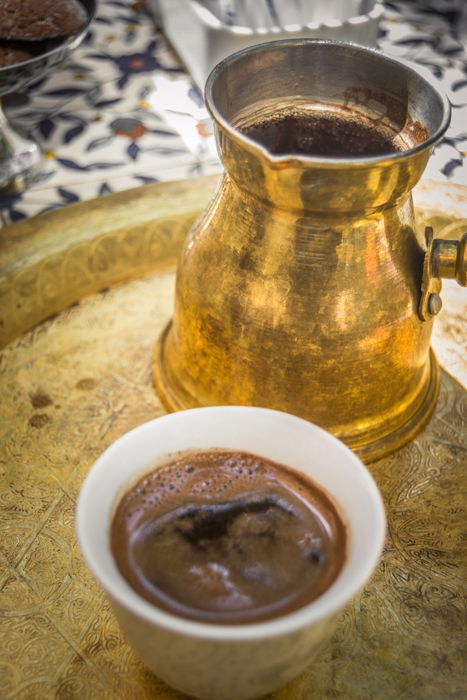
329	162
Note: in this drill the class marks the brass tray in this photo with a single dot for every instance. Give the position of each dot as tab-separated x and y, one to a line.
101	273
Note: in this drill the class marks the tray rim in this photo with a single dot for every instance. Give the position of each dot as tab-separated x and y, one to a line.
36	254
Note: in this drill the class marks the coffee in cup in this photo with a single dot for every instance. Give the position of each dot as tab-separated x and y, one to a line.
244	659
227	537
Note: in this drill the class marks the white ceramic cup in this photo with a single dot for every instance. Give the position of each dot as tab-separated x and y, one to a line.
231	662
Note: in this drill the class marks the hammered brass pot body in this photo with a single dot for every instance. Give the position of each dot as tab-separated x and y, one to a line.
298	288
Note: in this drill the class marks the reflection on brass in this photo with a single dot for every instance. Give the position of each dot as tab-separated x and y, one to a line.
450	259
300	287
52	260
74	384
443	259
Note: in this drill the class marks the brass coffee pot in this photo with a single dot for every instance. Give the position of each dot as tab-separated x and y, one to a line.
305	286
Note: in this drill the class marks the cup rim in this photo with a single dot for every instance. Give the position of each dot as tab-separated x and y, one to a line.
329	162
119	590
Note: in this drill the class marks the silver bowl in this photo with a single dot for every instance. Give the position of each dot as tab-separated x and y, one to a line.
20	156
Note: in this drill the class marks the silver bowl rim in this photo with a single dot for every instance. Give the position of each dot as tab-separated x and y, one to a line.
62	46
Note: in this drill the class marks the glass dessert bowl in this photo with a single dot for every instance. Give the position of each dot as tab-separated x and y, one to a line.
20	155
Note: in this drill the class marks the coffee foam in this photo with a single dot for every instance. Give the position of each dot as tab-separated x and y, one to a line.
224	518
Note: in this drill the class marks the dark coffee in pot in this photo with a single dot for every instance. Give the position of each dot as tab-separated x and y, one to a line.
227	537
323	133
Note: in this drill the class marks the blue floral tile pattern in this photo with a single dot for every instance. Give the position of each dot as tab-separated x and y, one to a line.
433	34
123	111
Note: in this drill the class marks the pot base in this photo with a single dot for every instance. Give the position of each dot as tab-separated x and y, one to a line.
369	445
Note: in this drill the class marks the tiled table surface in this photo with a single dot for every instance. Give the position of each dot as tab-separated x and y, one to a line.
123	111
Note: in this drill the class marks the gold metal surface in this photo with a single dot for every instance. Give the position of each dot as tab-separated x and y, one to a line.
52	260
299	289
73	384
314	313
310	312
450	259
443	259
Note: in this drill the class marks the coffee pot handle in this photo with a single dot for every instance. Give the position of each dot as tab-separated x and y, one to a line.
443	259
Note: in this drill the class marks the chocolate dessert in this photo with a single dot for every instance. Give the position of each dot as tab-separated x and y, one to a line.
36	20
12	52
29	28
227	537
